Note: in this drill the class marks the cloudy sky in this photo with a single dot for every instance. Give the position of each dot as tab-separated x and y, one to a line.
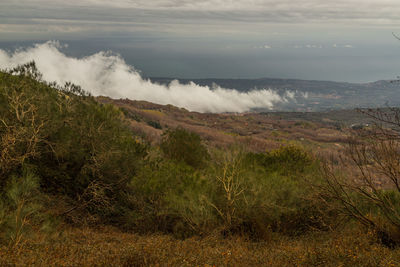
308	39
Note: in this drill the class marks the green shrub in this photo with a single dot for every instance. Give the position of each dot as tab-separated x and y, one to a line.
281	204
154	124
228	177
287	160
71	140
255	198
168	196
181	145
20	209
234	194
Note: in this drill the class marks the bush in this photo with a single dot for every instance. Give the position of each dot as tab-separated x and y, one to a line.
72	141
235	194
20	209
248	198
167	196
182	145
277	193
287	160
154	124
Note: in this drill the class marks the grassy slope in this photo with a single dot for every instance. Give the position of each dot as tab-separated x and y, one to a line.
82	246
110	247
259	131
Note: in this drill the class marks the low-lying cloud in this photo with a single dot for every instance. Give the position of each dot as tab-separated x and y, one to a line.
107	74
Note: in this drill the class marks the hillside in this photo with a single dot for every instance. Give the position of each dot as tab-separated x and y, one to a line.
97	181
260	131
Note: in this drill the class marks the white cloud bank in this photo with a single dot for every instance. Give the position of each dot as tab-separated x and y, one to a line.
107	74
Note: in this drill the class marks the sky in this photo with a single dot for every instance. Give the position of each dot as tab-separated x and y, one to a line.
338	40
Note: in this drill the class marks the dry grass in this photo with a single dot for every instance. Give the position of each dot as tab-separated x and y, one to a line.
110	247
261	131
153	112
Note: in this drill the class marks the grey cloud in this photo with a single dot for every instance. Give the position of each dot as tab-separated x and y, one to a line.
189	38
184	16
268	11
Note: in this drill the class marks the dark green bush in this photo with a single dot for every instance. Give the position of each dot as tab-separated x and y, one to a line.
155	124
275	202
232	195
68	138
21	209
286	160
255	198
167	196
181	145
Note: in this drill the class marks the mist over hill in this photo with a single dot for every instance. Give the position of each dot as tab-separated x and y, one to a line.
108	74
312	95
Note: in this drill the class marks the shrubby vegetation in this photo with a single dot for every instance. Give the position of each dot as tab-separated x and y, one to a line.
75	146
373	198
83	151
184	146
20	208
61	149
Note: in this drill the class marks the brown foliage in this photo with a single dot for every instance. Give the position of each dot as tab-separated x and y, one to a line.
109	247
21	131
375	184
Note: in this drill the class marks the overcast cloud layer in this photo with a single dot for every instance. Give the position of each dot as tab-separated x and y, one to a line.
337	9
212	15
342	40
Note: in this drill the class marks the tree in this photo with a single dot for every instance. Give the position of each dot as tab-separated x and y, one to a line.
372	196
